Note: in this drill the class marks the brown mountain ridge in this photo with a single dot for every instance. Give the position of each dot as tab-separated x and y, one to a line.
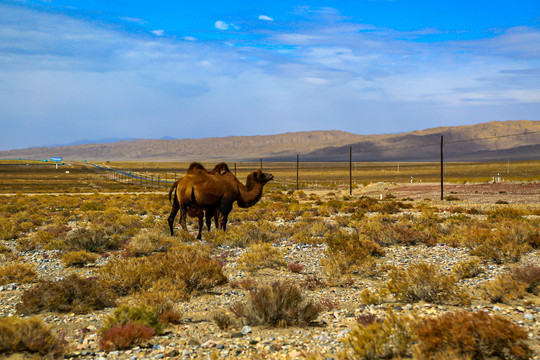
492	141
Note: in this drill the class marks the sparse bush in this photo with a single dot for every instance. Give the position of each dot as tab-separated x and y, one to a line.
378	296
476	335
367	319
313	282
350	254
93	240
529	275
422	281
451	198
71	294
277	304
505	213
328	304
188	266
18	335
139	314
79	258
149	241
246	284
17	273
125	336
295	267
261	256
468	268
379	339
501	244
223	320
503	289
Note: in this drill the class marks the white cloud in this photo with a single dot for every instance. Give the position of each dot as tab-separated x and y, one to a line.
265	18
190	38
221	25
158	32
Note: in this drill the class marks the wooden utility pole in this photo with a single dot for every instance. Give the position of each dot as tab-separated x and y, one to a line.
261	164
442	170
350	170
297	162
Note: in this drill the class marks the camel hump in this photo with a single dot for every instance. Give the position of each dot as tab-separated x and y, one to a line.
195	166
221	168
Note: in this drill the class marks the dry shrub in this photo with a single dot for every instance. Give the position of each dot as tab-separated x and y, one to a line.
18	335
125	336
503	289
261	256
223	319
378	296
79	258
528	274
350	254
17	273
468	268
277	304
71	294
246	284
295	267
477	335
422	281
9	229
139	314
501	244
148	241
312	282
505	213
187	266
389	207
379	339
93	240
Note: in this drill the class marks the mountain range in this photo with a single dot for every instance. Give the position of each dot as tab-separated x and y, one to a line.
496	140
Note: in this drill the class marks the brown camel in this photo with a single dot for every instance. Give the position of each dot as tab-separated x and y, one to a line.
193	210
216	191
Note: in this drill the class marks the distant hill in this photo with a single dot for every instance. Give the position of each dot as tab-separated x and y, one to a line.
492	143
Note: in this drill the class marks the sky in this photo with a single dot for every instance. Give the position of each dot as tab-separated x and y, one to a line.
94	69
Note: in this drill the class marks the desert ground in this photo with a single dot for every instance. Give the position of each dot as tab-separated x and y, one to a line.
312	273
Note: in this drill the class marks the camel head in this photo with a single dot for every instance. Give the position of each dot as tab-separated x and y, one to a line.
259	177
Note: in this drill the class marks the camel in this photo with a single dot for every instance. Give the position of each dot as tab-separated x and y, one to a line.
201	189
193	210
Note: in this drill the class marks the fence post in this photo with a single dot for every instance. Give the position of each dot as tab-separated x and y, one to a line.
234	169
261	164
442	168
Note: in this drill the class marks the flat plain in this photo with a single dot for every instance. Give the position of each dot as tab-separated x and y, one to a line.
390	250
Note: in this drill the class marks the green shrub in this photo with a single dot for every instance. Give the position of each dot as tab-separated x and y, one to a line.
140	314
18	335
79	258
17	273
261	256
389	338
71	294
422	281
476	335
278	304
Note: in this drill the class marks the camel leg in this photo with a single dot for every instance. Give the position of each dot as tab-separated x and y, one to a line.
209	213
225	210
183	216
174	211
201	222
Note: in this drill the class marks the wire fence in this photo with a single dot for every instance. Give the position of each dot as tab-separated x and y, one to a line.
309	174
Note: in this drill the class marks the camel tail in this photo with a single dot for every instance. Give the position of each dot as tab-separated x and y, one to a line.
173	189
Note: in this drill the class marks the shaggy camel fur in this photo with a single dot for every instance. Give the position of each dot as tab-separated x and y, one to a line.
193	210
216	191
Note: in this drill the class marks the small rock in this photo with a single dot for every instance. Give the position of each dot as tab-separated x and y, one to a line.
208	344
528	316
193	342
220	346
496	308
246	330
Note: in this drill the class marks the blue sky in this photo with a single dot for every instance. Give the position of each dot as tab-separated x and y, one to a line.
72	70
